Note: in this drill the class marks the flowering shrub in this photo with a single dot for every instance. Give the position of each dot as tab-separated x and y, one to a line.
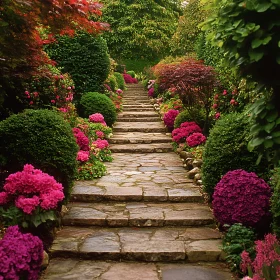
101	144
21	255
99	134
151	92
97	118
32	191
186	129
83	156
266	265
196	139
169	118
129	80
81	139
91	170
241	197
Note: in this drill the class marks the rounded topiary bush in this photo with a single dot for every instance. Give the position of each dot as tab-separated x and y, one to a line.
241	197
94	102
193	114
275	205
226	149
41	138
131	73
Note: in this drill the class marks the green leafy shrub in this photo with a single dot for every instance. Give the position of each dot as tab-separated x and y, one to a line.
275	205
112	82
226	149
120	80
192	114
237	239
41	138
85	57
94	102
131	73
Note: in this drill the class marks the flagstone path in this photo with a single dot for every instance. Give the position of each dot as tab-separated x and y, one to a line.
144	219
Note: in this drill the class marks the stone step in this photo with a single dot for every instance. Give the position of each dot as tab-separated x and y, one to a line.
137	214
132	119
139	137
139	127
142	148
62	269
144	115
142	106
141	109
139	244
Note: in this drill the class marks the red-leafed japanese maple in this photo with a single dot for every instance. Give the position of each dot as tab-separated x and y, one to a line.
194	82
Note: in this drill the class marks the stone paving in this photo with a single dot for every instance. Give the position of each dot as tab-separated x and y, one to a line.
144	219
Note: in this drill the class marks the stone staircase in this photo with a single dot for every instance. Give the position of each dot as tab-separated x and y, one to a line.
144	219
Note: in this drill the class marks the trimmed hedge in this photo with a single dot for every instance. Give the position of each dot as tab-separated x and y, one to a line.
120	80
190	115
226	149
94	102
41	138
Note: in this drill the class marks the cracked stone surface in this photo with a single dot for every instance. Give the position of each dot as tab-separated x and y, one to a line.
144	219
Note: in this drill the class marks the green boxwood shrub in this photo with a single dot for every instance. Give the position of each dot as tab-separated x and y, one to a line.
94	102
189	115
112	82
41	138
131	73
275	205
120	80
226	149
85	57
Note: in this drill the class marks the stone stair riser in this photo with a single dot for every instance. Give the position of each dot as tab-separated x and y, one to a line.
135	129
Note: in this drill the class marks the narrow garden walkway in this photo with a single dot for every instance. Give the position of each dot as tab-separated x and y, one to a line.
144	219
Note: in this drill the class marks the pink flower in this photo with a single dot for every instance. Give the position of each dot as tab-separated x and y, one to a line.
217	115
169	118
100	134
101	144
215	106
97	118
49	200
83	156
81	139
151	92
3	198
35	94
53	101
186	129
224	92
64	110
119	91
232	101
28	205
216	97
196	139
26	92
31	103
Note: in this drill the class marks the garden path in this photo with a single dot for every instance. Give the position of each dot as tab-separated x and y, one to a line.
144	219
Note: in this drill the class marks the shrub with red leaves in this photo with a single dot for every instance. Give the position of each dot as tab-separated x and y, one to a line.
180	134
241	197
129	80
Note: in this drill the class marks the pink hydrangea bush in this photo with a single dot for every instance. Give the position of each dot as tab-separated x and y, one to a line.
30	189
180	134
83	156
196	139
100	144
100	134
21	255
81	139
97	118
129	80
267	258
169	118
151	92
241	197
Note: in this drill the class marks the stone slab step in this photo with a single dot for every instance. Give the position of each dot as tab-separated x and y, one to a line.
62	269
139	137
141	148
144	115
137	214
141	244
140	109
132	119
139	127
134	106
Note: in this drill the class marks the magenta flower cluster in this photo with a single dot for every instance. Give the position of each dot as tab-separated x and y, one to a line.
151	92
169	118
100	144
241	197
266	255
129	80
21	255
179	135
196	139
31	188
97	118
83	156
100	134
81	139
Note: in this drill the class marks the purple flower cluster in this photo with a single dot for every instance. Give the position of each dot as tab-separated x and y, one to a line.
21	255
31	188
169	118
81	139
241	197
129	80
180	134
196	139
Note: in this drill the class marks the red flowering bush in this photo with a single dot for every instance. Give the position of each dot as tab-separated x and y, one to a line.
169	118
81	139
83	156
196	139
181	133
129	80
241	197
97	118
100	144
267	259
21	255
151	92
